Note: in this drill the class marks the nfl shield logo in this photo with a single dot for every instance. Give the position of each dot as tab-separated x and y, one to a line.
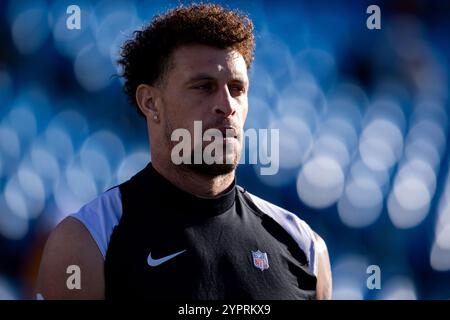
260	260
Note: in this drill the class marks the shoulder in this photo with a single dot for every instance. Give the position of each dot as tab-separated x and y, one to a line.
79	244
308	240
324	278
70	249
100	216
298	229
287	219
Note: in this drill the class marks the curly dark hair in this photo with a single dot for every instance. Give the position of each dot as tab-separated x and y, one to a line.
146	57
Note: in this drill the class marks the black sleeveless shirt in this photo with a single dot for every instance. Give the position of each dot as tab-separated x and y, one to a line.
169	244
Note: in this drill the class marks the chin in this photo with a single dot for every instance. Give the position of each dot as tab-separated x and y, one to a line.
229	163
213	170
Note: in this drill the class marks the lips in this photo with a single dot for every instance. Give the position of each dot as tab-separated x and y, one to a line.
228	132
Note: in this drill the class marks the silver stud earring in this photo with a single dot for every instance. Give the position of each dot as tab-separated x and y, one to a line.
155	117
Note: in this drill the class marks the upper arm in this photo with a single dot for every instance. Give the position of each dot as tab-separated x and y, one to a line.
324	279
71	244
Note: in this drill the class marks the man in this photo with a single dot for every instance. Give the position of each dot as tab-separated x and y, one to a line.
186	230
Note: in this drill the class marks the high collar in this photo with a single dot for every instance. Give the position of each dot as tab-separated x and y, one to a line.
183	202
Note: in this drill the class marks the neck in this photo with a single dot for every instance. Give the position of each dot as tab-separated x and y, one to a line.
192	182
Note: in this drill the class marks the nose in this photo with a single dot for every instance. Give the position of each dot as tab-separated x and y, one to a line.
225	105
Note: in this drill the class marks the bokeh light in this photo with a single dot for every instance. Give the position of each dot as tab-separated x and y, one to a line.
362	115
320	182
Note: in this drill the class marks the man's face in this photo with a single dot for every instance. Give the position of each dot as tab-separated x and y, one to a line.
210	85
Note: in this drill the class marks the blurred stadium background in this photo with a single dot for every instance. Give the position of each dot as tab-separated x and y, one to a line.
363	119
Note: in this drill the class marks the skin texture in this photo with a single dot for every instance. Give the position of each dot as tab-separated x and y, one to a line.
202	84
324	280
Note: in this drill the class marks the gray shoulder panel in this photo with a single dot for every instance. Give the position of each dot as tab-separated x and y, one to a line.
100	216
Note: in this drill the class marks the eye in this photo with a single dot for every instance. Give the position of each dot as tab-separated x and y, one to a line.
203	87
237	89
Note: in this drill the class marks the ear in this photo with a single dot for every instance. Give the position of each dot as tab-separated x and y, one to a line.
146	96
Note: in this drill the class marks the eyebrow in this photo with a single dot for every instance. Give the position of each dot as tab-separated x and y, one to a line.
205	76
200	77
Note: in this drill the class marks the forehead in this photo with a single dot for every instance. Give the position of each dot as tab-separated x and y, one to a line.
193	59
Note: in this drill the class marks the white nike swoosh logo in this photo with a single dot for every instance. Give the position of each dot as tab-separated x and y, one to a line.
156	262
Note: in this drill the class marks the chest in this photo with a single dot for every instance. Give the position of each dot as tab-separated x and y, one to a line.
232	256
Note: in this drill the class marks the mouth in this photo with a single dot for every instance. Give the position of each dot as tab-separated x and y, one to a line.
228	132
